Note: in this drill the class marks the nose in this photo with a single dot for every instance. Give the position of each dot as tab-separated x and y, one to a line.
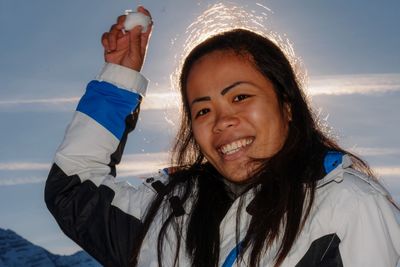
225	120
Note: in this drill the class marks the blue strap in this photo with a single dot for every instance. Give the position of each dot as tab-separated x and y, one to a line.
232	256
332	160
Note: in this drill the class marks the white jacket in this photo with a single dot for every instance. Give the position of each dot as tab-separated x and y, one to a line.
351	222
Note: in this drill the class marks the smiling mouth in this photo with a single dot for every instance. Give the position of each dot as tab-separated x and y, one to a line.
235	146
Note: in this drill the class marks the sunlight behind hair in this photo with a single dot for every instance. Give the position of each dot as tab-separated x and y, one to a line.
224	17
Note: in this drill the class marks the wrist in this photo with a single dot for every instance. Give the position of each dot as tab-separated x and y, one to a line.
124	78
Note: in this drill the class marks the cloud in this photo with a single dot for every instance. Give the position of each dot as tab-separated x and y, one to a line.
153	101
39	104
384	171
21	180
164	99
376	151
354	84
133	166
142	165
48	101
24	166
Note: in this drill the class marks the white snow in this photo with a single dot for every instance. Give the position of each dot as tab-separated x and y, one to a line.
134	19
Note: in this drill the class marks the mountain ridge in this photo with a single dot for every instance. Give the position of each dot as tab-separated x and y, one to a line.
16	251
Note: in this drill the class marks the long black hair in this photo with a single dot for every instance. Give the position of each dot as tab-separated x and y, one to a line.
284	185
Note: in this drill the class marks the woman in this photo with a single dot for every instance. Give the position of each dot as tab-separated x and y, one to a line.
257	183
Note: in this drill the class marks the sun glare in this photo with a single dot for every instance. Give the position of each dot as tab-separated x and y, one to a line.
223	17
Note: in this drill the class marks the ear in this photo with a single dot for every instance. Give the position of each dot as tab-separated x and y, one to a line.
287	111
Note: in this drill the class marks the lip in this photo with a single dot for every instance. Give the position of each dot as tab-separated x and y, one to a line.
233	151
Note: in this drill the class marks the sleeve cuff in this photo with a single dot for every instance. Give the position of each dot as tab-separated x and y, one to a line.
124	78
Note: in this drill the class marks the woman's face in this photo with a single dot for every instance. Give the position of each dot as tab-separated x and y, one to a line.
236	116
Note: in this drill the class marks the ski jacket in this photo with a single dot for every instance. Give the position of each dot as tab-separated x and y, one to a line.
351	222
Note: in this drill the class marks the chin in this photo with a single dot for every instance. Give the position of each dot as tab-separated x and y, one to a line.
238	177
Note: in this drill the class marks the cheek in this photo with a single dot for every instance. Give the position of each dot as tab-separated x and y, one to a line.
202	137
198	134
259	116
270	124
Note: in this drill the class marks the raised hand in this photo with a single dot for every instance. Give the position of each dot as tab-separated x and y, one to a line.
128	48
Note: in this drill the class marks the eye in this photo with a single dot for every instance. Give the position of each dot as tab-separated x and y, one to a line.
239	98
202	112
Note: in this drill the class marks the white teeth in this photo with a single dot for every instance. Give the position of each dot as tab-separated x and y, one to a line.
235	146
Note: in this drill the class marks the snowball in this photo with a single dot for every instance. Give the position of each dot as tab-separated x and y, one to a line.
136	18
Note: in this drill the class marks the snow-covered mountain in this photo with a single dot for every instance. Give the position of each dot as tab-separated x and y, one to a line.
16	251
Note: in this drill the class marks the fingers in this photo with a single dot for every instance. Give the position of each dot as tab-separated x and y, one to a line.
141	9
104	42
109	39
126	48
115	33
121	20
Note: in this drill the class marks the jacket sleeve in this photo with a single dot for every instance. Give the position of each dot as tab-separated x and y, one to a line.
101	215
370	232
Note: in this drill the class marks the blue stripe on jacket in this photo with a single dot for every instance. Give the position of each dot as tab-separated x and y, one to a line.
108	105
232	256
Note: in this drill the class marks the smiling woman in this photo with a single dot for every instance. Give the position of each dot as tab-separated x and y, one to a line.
229	99
255	182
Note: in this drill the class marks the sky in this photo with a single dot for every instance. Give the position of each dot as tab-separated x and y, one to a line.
51	49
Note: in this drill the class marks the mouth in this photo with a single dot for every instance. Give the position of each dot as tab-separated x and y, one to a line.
235	146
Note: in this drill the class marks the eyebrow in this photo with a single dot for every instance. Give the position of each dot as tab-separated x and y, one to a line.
200	99
227	89
223	92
